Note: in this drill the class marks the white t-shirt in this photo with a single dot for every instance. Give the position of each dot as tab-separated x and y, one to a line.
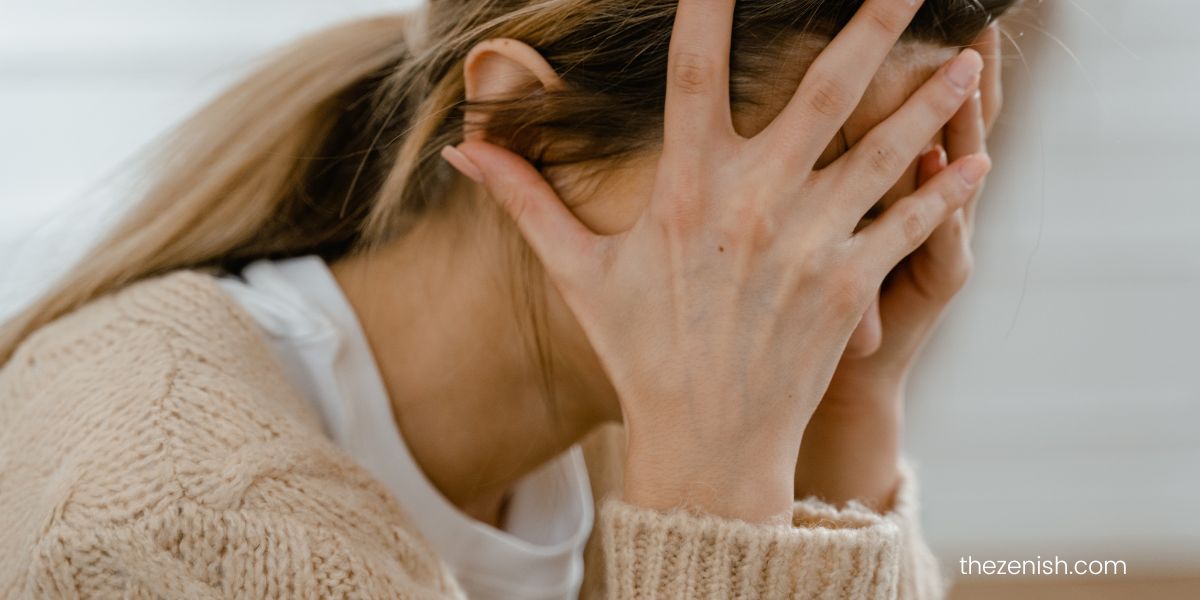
324	353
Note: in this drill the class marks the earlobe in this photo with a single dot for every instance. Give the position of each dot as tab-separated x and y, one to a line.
502	68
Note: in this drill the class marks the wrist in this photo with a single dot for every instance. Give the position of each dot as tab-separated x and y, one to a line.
735	484
852	454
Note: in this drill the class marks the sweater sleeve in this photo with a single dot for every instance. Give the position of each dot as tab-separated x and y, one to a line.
223	555
826	552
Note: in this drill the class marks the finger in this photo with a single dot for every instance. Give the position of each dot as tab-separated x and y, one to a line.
966	135
991	84
837	79
910	313
940	243
877	161
921	290
931	163
945	248
906	225
560	240
937	262
697	102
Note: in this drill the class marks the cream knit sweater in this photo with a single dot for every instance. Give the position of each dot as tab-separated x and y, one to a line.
151	448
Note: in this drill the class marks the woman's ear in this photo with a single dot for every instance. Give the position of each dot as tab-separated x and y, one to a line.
502	68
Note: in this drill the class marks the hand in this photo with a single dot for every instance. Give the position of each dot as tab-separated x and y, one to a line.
852	446
744	263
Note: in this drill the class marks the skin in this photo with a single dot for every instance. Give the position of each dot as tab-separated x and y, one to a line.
852	445
655	285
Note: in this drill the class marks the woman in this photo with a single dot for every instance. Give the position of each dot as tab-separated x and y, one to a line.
318	361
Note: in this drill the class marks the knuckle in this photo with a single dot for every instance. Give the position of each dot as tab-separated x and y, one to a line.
811	267
829	97
955	194
752	224
691	73
966	267
914	227
958	224
883	159
514	203
951	281
849	291
888	21
676	213
945	102
995	101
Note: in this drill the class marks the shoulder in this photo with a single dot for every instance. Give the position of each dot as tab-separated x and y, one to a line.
181	309
174	346
152	431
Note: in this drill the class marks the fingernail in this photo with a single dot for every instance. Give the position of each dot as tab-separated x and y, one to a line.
939	153
459	161
974	168
928	155
965	69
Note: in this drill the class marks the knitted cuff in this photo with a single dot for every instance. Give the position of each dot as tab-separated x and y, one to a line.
919	575
678	554
902	508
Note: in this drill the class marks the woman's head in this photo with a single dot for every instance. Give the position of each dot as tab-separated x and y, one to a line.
332	148
602	101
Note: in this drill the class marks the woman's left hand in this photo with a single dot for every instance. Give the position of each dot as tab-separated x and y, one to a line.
851	447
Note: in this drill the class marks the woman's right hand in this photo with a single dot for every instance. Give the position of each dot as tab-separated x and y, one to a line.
720	315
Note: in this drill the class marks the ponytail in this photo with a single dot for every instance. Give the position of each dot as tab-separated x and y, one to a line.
332	147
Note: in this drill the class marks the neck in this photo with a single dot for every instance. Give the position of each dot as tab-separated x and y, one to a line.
439	308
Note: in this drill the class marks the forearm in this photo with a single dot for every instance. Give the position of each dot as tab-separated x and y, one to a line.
851	451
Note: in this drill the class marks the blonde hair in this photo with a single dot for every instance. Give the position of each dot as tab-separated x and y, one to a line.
332	146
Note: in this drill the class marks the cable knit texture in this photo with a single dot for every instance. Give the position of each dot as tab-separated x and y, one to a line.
150	447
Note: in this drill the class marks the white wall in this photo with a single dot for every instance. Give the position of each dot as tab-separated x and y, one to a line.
86	85
1056	412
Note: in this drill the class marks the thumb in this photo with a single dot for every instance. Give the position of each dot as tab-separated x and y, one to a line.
559	239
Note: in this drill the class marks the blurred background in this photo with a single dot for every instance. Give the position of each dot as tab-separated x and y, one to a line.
1057	413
